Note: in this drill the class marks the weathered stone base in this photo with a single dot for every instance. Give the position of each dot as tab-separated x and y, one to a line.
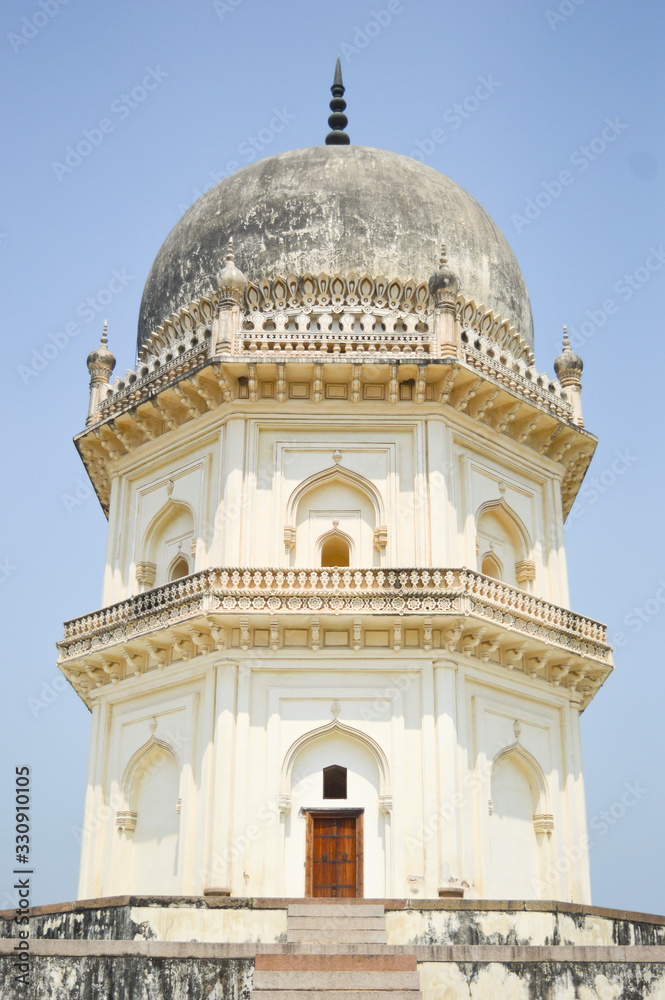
205	949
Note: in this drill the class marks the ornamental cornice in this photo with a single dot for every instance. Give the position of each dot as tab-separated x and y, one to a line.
348	340
260	609
194	384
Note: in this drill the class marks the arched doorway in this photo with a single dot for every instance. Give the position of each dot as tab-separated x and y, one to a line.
336	847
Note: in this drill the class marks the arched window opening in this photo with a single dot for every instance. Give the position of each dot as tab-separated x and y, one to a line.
334	782
503	546
491	566
335	551
348	504
167	546
179	569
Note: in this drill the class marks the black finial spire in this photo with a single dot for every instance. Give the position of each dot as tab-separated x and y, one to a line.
338	120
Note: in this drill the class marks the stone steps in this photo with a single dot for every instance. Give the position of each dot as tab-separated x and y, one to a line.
336	923
330	976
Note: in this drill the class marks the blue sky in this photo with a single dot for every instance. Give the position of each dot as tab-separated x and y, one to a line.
549	113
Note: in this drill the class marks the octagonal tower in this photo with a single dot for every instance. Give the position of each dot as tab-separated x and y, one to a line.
335	656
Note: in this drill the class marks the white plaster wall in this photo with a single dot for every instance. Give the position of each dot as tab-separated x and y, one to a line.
439	721
170	481
429	475
436	726
154	842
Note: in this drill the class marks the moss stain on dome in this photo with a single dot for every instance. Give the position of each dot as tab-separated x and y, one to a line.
336	209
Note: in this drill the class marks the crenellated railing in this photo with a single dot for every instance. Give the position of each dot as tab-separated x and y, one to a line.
336	591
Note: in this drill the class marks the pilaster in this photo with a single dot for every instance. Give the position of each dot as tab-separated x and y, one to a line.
448	804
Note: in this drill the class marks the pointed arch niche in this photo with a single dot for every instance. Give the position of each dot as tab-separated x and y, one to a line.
335	548
520	824
168	549
335	514
367	789
151	820
503	545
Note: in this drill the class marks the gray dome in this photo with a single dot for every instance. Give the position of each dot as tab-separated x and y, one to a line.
336	210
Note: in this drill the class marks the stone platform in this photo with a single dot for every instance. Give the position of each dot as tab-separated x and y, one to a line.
213	948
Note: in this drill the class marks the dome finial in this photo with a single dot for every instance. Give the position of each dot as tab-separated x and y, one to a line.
100	365
338	120
443	259
566	342
230	256
568	366
101	362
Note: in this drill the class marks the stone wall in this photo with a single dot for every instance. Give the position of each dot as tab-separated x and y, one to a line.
205	949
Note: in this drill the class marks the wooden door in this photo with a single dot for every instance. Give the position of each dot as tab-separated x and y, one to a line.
334	854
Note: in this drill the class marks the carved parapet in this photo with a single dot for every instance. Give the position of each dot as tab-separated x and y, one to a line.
454	609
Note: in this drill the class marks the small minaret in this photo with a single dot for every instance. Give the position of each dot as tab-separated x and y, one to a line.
231	284
568	367
444	286
338	120
100	365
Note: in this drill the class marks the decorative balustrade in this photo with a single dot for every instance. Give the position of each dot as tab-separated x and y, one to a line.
354	331
516	374
333	591
357	317
134	386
